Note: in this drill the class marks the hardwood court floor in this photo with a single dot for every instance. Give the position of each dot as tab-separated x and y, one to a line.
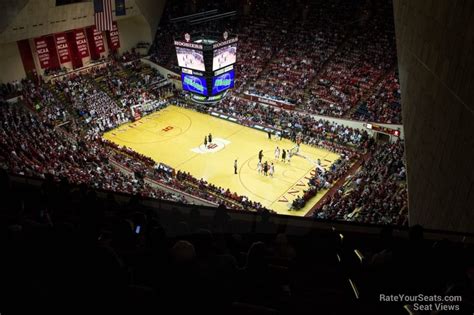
175	136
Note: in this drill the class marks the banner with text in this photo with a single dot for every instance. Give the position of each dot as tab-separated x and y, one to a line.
98	40
46	51
113	37
62	47
81	42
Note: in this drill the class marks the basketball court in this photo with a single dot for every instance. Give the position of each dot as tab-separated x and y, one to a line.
175	136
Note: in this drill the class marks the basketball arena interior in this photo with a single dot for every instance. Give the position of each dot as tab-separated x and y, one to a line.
237	156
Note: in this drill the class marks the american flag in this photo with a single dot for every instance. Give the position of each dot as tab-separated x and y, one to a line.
103	15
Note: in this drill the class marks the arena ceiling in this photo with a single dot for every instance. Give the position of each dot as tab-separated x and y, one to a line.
9	9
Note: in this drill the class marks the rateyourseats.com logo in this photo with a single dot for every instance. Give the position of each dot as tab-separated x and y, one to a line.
422	302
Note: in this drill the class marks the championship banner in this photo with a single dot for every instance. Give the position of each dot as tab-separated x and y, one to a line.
62	47
99	41
81	42
43	52
46	51
113	37
96	42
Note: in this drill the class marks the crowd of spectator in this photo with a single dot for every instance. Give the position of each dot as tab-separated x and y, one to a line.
383	175
44	151
327	61
325	179
129	56
96	110
142	85
40	97
65	245
10	89
302	48
181	181
356	66
100	99
333	136
383	106
230	199
377	193
31	148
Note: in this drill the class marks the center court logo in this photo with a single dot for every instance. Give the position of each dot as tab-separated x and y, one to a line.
216	145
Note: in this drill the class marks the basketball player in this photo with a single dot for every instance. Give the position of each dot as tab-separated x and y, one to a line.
272	169
260	155
259	167
209	138
235	167
265	168
277	153
205	141
283	155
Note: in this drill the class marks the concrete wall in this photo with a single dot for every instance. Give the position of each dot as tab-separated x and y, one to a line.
11	64
152	10
9	10
132	31
435	40
34	18
42	17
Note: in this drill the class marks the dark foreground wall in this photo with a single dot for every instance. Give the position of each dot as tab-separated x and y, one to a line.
435	41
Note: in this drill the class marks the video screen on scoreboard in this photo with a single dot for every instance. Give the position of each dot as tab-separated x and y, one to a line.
224	56
194	84
190	58
223	82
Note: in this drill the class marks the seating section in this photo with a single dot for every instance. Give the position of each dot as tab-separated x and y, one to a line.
365	57
384	105
377	193
86	105
31	148
336	59
333	136
67	245
88	226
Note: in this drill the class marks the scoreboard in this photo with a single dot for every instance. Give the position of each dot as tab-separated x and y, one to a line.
207	65
223	82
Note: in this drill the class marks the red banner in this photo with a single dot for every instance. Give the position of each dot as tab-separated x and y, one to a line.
62	47
46	51
113	37
27	58
98	40
81	43
76	58
43	52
